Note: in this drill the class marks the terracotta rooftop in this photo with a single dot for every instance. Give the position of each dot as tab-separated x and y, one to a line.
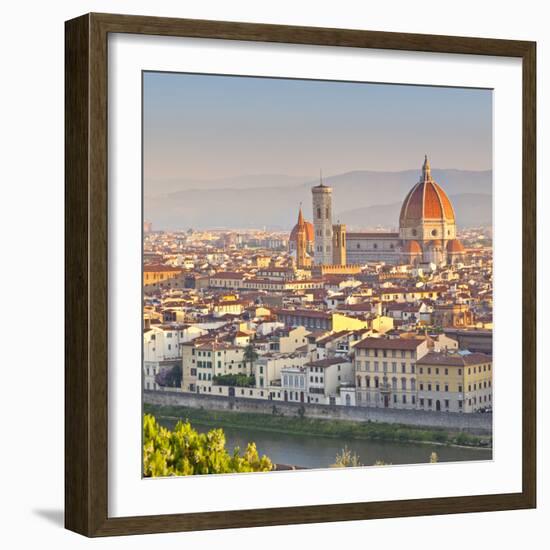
387	343
454	359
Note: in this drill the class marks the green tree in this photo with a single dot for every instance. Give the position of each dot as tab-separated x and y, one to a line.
184	451
250	355
241	380
170	377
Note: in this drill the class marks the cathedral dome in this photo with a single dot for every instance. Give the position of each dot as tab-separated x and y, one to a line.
309	232
454	246
412	247
426	201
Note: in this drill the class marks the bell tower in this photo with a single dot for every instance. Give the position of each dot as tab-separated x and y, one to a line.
339	244
322	223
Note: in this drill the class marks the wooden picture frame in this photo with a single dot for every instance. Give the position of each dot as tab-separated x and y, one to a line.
86	280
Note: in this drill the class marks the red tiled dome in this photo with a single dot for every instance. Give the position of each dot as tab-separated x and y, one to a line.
455	247
412	247
426	200
309	232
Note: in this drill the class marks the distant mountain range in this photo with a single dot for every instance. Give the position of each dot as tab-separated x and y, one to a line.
361	199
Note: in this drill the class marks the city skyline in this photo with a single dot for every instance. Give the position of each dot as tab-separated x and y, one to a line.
368	295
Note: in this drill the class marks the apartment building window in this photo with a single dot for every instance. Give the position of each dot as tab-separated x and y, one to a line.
446	403
404	400
460	404
376	382
429	370
421	387
421	401
437	387
385	366
403	368
394	398
413	399
429	387
430	403
446	372
376	366
459	389
394	384
367	382
367	366
446	387
394	367
460	372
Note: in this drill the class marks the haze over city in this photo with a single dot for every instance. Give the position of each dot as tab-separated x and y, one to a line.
207	137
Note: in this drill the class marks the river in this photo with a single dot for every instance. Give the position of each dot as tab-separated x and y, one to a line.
312	451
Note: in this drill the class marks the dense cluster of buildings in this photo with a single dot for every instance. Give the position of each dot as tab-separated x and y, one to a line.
321	316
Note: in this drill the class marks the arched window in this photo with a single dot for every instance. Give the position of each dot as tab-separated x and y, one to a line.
403	384
394	383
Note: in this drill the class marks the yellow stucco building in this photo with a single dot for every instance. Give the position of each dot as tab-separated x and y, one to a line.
455	382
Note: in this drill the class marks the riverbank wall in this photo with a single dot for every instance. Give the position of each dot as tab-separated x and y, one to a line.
474	423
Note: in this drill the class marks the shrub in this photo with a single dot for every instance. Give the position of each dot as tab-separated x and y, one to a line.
346	459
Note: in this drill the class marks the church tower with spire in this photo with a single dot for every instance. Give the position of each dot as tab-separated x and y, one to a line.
302	258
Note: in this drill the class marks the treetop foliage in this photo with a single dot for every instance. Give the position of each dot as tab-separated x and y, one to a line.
184	451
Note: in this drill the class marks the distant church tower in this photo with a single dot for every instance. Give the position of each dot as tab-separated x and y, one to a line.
339	244
322	223
302	258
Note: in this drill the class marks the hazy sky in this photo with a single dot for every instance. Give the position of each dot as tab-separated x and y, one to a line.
206	127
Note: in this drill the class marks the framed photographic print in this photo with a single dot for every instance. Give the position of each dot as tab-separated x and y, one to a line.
299	274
